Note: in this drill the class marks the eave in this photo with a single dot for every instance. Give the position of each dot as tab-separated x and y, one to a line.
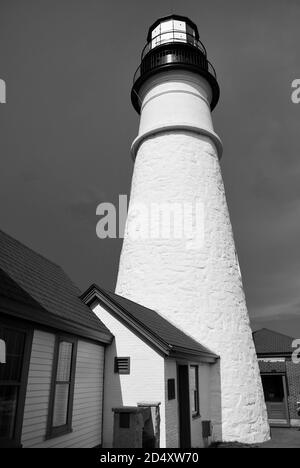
40	316
94	294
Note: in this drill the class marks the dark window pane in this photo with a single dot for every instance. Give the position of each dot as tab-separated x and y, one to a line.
64	361
273	388
193	379
60	410
124	419
196	402
194	389
15	342
171	389
8	407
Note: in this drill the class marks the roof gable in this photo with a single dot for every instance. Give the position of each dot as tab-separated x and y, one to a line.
49	287
166	335
271	342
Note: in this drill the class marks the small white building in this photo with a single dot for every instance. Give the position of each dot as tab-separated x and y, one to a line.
65	367
153	363
51	368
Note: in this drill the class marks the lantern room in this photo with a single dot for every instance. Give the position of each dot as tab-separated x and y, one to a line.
173	43
172	29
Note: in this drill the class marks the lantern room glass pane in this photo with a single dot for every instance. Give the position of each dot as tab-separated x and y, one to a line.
155	37
180	31
171	31
167	31
191	35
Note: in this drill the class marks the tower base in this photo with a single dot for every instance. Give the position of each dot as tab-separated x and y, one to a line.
198	287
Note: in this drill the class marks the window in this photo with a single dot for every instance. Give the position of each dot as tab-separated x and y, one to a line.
124	420
172	31
122	365
13	376
171	389
194	389
62	388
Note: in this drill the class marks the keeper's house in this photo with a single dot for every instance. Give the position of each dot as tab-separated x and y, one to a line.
51	383
280	376
117	375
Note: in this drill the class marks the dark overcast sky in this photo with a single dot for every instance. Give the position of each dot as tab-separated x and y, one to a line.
66	130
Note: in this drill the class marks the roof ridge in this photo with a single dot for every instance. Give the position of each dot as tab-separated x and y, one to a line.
108	294
30	249
103	291
274	331
167	319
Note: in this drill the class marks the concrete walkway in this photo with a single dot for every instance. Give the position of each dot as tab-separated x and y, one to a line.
283	438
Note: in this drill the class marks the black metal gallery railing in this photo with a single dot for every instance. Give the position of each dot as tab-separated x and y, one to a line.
174	50
173	53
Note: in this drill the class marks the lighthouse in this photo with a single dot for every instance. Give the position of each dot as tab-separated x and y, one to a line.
189	271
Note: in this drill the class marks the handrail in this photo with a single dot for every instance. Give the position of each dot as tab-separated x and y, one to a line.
188	39
210	69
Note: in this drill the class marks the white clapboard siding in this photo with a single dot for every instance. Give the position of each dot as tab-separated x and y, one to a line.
88	395
145	381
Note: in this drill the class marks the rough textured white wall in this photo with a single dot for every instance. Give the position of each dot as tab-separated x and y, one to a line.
200	289
146	381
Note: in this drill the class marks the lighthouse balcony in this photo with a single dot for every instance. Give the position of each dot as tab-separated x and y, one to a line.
173	50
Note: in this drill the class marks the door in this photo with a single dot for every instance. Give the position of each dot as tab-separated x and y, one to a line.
184	407
275	392
13	380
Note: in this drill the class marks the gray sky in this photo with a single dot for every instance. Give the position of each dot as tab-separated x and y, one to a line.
67	127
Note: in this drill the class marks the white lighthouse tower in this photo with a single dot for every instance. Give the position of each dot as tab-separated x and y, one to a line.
192	279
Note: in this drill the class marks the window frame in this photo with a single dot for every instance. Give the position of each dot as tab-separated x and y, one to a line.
18	326
52	431
195	395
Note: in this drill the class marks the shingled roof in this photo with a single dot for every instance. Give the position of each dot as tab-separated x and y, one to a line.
48	295
269	342
149	323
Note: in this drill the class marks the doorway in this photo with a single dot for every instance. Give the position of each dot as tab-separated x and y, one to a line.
275	391
184	406
13	379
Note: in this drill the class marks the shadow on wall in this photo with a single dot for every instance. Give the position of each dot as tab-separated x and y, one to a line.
144	418
216	401
148	430
112	394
